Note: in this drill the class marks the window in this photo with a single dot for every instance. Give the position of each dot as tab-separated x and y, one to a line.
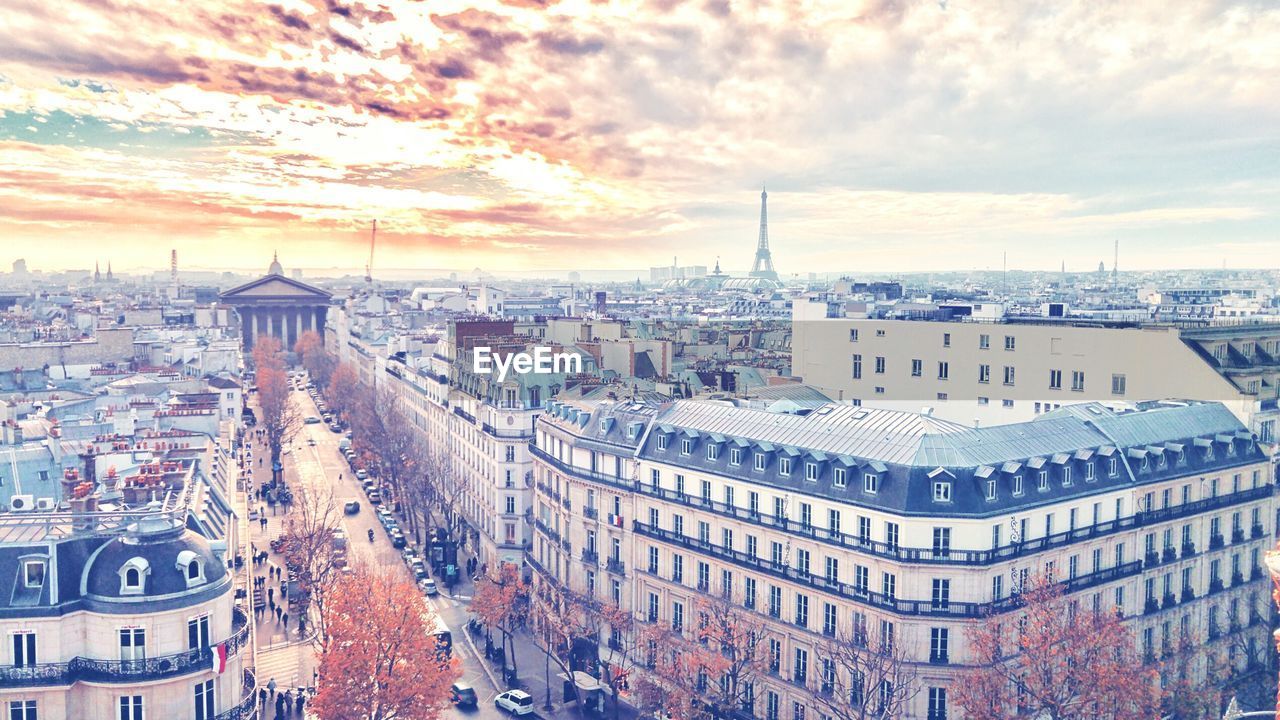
131	707
653	607
1017	485
677	616
1066	476
1055	379
811	472
943	370
889	585
937	703
198	632
204	700
941	597
133	642
686	446
946	339
1042	480
735	456
917	368
1009	342
1077	380
655	477
33	573
939	652
1113	467
713	451
984	342
984	373
991	490
857	367
662	441
833	521
870	483
24	648
861	580
760	460
511	505
800	669
942	492
1008	374
879	364
653	560
942	541
853	334
1117	384
784	466
22	710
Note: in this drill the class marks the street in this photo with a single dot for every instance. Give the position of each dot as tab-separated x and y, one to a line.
318	467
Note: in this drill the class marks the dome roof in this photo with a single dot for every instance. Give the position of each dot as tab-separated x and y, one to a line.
275	268
161	559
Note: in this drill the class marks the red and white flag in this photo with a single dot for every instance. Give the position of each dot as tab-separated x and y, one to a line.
219	659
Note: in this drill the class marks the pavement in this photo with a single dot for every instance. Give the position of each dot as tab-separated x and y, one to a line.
291	659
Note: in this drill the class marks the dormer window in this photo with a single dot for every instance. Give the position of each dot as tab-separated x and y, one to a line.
713	451
1113	467
991	489
662	442
133	576
1044	480
686	446
838	477
1146	465
870	483
1089	475
811	472
1208	452
1231	448
760	461
1066	476
784	466
33	573
1017	484
942	492
192	567
735	456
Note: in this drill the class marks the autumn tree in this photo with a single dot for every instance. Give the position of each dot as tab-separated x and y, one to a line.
624	651
341	390
376	662
434	492
1051	660
501	602
281	417
308	534
863	679
313	356
709	670
561	618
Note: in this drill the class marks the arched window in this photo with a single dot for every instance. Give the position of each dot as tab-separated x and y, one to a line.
193	570
132	578
191	566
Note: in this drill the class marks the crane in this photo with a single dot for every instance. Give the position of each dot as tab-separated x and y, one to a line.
368	268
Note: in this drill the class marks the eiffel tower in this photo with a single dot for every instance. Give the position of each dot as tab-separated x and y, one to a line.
763	266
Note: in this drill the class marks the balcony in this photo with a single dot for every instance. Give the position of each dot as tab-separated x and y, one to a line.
590	513
1256	573
1258	532
1188	549
1237	578
864	597
590	557
1215	585
1168	601
616	566
1237	535
1188	594
1151	559
247	707
1152	606
566	505
1216	541
1170	554
82	669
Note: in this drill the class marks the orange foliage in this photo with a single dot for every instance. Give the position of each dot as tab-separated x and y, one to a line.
1048	660
378	663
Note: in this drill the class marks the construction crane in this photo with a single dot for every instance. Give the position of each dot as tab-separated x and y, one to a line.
368	268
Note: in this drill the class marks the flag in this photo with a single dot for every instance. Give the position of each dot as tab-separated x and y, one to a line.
219	658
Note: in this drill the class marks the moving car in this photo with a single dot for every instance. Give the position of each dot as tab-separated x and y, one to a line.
463	695
351	508
516	702
311	441
312	420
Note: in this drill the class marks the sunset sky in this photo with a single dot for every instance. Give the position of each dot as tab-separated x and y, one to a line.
534	134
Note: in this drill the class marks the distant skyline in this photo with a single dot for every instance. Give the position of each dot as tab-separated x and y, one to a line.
536	135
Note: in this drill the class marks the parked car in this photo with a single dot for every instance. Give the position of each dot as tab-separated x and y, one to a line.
311	420
516	702
385	517
351	508
428	586
462	695
362	475
375	496
397	539
419	570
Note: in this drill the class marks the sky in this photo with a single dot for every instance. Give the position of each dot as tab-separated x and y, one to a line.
543	135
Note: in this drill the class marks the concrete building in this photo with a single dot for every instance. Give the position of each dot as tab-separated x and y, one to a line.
277	306
871	523
1015	370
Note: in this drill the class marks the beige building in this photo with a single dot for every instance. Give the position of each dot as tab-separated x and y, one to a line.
1015	370
893	526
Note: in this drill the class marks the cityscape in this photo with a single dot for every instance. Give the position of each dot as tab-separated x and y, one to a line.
639	360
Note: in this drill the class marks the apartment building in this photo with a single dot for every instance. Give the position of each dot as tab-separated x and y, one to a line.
880	524
1000	372
117	608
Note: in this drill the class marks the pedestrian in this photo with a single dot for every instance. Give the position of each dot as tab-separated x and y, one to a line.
302	699
286	622
271	594
271	685
262	523
271	604
280	707
279	612
262	697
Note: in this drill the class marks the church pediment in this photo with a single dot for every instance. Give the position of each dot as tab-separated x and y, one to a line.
275	286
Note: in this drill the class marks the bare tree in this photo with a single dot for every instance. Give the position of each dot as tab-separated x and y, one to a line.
860	679
386	440
309	547
562	618
281	416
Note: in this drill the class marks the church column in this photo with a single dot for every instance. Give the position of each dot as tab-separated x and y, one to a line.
297	321
271	322
253	318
